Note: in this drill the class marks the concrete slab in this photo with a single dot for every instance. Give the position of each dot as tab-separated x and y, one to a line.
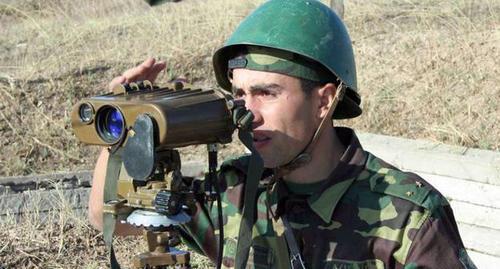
465	190
484	261
483	240
478	215
435	158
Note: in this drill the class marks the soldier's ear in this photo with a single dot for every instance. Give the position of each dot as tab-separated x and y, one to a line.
326	94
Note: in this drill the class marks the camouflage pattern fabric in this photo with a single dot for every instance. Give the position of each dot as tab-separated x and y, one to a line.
367	214
278	61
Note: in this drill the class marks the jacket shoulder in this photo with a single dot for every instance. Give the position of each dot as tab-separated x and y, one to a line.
386	179
233	170
236	163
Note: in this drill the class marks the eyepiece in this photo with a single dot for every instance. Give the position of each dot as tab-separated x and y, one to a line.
110	124
86	113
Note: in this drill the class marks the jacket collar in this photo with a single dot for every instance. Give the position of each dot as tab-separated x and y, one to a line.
324	200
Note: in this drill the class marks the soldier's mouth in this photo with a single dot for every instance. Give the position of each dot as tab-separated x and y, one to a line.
259	137
260	140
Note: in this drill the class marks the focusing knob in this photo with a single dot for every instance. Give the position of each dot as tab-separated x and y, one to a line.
168	203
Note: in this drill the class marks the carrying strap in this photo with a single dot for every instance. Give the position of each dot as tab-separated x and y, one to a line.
254	173
109	220
296	261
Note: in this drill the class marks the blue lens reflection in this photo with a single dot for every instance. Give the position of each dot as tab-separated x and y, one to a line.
114	123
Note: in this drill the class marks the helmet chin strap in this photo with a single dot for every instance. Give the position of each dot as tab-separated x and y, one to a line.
304	157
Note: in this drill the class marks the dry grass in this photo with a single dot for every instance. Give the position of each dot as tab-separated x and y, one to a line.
53	55
63	238
58	239
430	69
426	69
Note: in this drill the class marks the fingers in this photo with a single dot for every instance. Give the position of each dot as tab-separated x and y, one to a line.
116	81
155	71
147	70
139	71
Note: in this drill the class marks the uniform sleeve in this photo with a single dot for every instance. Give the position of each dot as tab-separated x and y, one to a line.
199	233
437	244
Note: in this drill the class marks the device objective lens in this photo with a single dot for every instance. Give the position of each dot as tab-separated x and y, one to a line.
110	124
86	113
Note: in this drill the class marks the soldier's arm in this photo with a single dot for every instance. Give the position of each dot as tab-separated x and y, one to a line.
200	233
96	193
437	244
96	199
148	70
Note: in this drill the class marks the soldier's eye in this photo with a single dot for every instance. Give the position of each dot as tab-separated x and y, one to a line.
266	93
238	94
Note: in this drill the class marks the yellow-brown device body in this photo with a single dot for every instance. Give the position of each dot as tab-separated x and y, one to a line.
182	114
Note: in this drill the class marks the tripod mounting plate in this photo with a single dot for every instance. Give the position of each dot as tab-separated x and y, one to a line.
151	219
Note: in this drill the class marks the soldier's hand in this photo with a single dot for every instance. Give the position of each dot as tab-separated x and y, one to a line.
148	70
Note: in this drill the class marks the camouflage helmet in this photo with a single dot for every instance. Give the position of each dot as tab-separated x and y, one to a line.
307	28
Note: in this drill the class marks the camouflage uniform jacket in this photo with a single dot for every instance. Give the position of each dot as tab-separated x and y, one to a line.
367	214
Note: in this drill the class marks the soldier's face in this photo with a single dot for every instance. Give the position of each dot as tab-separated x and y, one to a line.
285	118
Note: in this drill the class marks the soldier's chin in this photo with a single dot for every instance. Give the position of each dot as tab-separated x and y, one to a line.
270	162
269	158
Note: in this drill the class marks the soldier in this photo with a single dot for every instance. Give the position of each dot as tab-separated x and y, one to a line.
324	202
